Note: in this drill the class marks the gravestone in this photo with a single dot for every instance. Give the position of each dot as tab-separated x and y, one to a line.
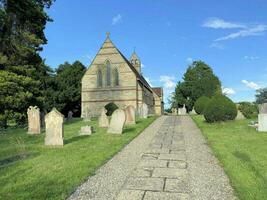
130	115
70	114
262	118
143	111
239	115
86	130
86	115
34	123
117	121
54	128
193	112
174	111
103	119
182	111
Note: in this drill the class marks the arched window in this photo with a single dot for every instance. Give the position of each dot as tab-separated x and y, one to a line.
116	77
108	74
99	78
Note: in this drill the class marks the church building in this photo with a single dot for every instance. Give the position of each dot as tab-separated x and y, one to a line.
112	78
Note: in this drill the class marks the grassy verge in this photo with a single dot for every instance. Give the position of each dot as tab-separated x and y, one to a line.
243	153
29	170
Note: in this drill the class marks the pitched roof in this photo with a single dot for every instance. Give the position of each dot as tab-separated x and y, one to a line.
158	91
108	43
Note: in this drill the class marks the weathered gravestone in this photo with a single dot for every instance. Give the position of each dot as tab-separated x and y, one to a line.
87	115
54	128
262	118
143	111
86	130
239	115
103	119
130	115
34	123
193	112
183	110
117	121
70	114
174	111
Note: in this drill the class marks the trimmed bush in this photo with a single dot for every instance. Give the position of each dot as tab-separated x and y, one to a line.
201	104
249	110
220	108
111	107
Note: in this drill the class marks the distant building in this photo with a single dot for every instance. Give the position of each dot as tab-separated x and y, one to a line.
111	78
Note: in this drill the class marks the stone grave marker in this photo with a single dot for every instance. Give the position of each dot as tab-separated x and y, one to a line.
86	130
87	115
143	111
130	115
262	118
117	122
34	123
54	128
239	115
103	119
70	114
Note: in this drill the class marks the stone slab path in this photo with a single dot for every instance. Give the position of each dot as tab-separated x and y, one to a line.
168	161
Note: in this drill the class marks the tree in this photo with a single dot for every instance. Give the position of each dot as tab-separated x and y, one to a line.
261	96
68	87
22	24
199	80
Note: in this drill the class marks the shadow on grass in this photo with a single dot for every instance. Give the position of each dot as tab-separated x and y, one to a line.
75	139
243	157
16	158
129	129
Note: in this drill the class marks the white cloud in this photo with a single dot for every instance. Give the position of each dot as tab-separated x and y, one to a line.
244	29
116	19
254	31
217	45
228	91
251	57
168	81
251	84
217	23
189	60
149	81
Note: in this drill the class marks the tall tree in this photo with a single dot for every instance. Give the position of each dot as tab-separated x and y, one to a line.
261	96
68	83
199	80
22	24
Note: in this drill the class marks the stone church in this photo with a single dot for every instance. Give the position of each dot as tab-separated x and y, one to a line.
112	78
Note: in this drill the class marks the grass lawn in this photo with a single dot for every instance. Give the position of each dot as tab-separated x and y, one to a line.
242	151
30	170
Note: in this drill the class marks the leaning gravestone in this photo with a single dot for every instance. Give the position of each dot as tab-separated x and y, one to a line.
54	128
34	123
117	121
103	119
262	118
86	130
130	115
70	114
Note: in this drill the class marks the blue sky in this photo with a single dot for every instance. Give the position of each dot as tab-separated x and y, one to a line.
229	35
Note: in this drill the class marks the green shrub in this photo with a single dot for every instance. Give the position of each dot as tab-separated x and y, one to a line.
201	104
220	108
249	110
111	107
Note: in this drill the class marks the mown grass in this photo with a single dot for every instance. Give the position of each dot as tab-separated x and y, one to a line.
30	170
242	151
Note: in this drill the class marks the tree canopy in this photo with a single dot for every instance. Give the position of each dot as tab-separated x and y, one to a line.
22	24
199	80
261	96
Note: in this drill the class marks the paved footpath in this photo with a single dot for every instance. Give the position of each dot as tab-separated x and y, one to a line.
168	161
